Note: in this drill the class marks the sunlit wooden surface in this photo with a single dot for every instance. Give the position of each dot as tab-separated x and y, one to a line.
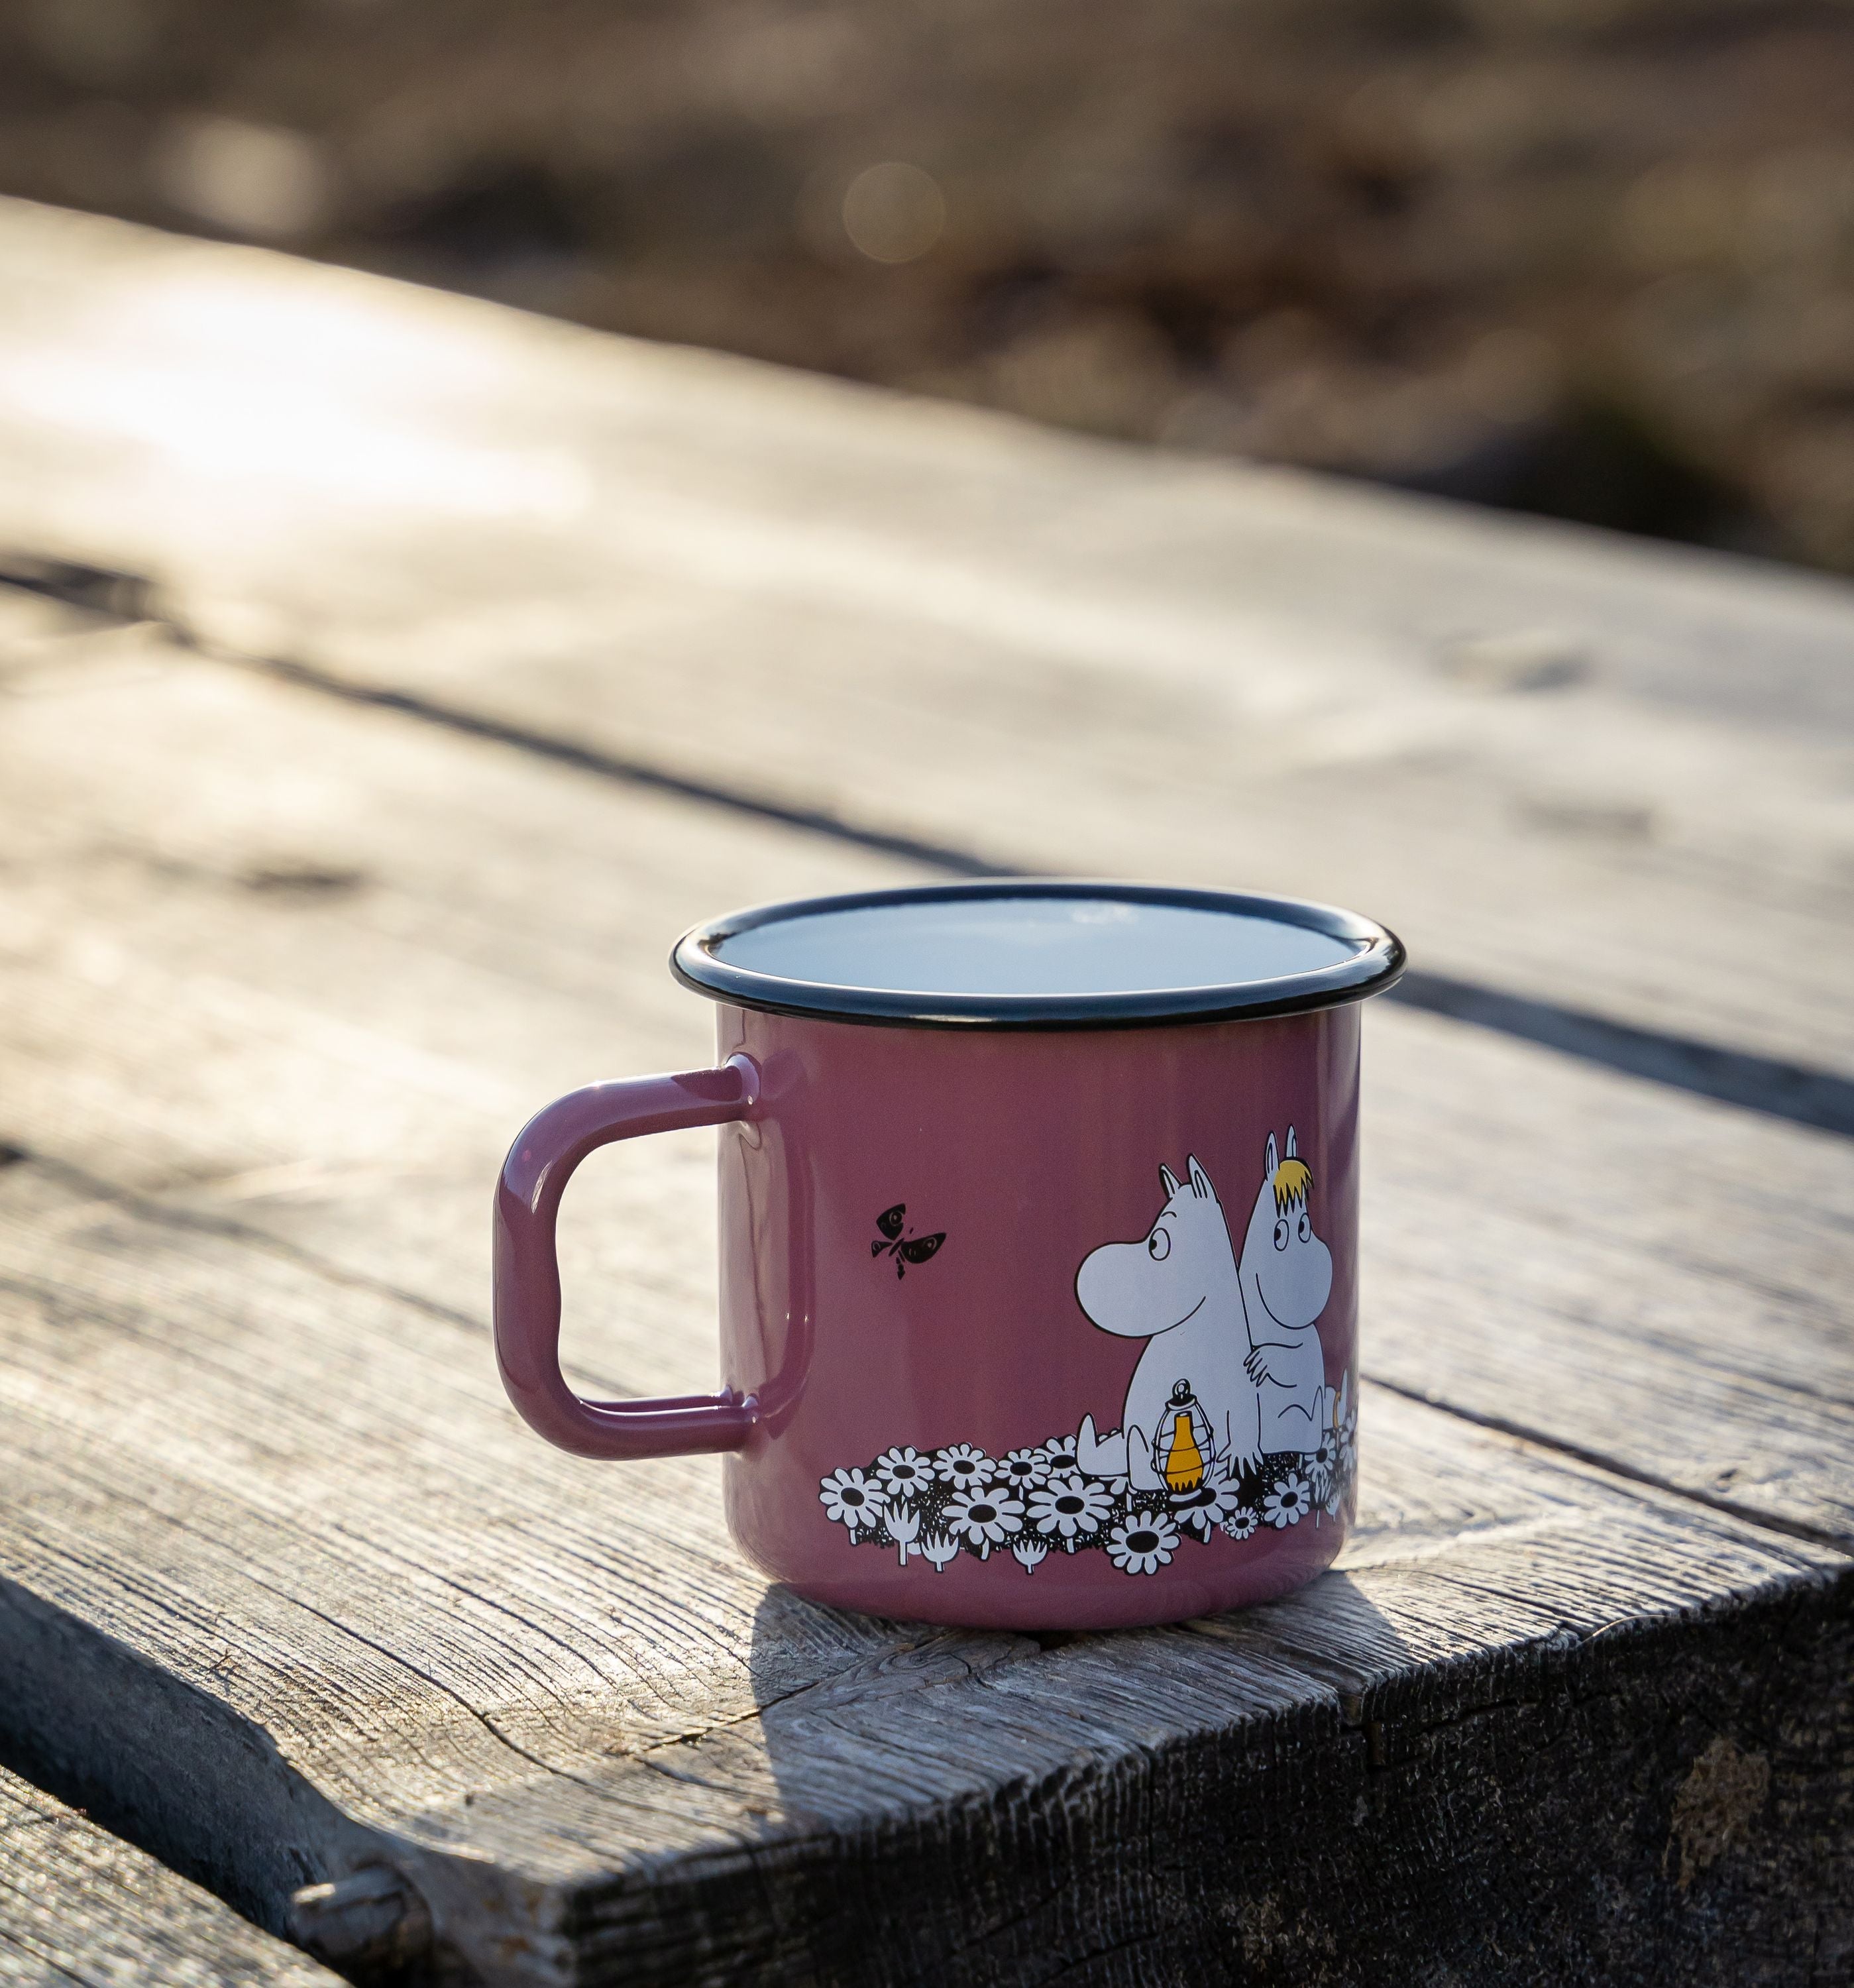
80	1908
422	671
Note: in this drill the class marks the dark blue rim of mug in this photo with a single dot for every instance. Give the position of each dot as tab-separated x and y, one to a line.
1377	962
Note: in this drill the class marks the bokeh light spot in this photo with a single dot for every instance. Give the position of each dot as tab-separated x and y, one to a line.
893	212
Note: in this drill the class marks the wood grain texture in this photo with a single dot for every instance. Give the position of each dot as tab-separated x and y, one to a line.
80	1906
1558	764
286	1591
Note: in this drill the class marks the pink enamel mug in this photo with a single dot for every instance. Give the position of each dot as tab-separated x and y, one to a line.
1039	1220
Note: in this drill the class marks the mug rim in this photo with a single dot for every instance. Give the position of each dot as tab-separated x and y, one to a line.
1376	964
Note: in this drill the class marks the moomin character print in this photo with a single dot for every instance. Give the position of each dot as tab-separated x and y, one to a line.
1286	1275
1177	1288
1228	1425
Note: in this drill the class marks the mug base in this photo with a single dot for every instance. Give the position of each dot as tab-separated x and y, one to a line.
1080	1591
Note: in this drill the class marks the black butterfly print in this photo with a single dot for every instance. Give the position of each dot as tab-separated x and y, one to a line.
914	1249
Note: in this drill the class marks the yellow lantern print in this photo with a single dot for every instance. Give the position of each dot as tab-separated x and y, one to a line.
1183	1447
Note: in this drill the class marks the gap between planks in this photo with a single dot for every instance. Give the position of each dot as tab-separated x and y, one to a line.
1772	1085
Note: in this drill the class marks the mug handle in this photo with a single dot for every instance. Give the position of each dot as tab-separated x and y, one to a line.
535	1175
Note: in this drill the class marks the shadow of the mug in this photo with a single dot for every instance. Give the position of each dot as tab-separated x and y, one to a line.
984	1806
968	1787
977	1806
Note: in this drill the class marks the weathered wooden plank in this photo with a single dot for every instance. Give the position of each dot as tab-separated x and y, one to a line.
1560	764
273	1525
77	1906
379	1621
1630	1273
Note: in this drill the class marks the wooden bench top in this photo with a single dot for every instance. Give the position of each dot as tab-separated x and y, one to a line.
78	1906
452	663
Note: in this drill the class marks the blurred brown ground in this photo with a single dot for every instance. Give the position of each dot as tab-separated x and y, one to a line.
1591	258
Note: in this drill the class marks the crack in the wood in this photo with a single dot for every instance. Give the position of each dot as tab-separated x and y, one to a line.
1100	1954
437	1684
995	1930
1773	1086
385	1549
1022	1648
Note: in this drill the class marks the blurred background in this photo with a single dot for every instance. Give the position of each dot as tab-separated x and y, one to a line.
1593	258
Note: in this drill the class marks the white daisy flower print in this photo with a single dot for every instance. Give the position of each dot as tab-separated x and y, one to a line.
962	1465
850	1498
1059	1456
983	1518
1241	1524
1322	1462
1070	1508
1023	1469
1143	1544
903	1472
1288	1502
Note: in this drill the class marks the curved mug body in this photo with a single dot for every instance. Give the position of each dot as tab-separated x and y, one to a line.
943	1432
